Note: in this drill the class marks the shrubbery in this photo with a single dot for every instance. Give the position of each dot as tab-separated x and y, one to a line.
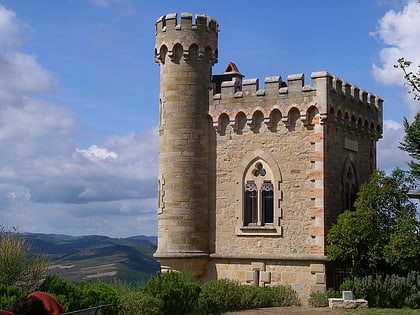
221	296
177	293
389	292
320	299
139	302
17	267
8	294
284	296
78	296
166	293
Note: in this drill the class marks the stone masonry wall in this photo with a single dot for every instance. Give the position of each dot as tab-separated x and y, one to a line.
315	143
308	133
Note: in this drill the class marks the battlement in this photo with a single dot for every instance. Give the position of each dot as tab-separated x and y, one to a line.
353	92
334	99
188	39
274	86
202	23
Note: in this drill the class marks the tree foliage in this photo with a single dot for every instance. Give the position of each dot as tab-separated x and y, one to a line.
412	78
411	144
382	232
17	266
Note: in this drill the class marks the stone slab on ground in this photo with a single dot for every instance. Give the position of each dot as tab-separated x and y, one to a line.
347	304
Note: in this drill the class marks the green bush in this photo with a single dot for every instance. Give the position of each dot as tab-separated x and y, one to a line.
8	294
95	294
63	290
391	291
255	297
347	285
284	295
224	295
220	296
331	293
17	266
78	296
412	299
139	302
178	292
318	299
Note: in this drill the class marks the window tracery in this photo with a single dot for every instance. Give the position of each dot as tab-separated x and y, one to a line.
259	196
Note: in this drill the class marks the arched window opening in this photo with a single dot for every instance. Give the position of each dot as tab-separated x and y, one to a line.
193	53
293	118
257	120
240	122
178	52
267	198
223	124
350	187
251	203
275	117
162	54
258	195
312	117
346	116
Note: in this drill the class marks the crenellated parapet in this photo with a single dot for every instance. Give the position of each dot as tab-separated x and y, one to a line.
187	38
329	98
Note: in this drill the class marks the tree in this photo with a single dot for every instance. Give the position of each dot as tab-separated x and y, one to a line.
17	266
412	79
382	232
411	143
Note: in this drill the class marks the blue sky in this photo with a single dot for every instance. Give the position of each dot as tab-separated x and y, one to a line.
79	93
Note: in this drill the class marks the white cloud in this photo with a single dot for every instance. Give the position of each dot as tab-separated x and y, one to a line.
95	153
21	75
46	185
400	32
389	155
11	29
33	119
67	187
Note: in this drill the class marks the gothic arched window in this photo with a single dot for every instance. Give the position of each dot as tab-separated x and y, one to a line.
258	195
349	187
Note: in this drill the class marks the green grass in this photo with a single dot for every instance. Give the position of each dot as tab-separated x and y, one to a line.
383	311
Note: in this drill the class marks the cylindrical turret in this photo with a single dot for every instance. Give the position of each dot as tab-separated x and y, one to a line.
186	52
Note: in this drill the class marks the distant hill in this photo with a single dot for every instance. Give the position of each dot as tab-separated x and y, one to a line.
93	257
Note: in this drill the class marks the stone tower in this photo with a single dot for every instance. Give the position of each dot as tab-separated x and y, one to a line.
186	52
251	178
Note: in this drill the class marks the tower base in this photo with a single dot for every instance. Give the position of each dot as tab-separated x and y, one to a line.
191	263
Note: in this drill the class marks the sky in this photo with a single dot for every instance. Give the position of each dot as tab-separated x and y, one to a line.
79	94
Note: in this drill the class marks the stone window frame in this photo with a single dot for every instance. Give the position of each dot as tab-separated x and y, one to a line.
244	170
258	185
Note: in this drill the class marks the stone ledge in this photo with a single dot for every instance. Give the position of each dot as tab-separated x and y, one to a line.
340	303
